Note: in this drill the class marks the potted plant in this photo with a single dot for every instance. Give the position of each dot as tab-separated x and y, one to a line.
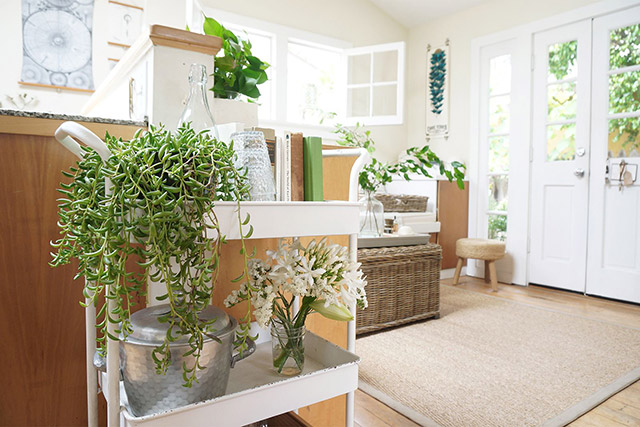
151	204
420	160
320	274
236	75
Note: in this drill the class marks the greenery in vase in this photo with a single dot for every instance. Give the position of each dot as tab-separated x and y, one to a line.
238	71
417	160
157	213
320	274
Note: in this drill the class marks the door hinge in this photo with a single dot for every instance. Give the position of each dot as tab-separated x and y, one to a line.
530	153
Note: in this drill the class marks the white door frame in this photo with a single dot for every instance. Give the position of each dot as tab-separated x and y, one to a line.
521	113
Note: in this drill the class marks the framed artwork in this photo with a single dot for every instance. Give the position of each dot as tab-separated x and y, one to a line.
56	43
437	94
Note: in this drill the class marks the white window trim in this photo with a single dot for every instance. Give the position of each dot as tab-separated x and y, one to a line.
519	183
395	119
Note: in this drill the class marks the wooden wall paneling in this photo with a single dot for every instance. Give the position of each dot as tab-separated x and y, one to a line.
453	214
41	320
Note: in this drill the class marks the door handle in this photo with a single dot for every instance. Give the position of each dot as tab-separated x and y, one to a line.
579	172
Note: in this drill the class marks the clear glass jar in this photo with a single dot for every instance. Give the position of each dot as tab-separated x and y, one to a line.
287	344
197	109
371	216
253	156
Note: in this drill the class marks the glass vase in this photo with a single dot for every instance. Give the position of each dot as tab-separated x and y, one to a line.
371	216
287	343
253	157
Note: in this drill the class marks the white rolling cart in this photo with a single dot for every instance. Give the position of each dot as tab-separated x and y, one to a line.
254	392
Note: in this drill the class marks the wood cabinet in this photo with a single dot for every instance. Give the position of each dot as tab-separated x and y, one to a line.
453	215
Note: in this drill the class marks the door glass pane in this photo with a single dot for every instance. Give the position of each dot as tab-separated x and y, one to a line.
624	47
561	142
500	75
385	100
385	66
624	92
358	102
624	137
313	94
499	154
498	227
498	188
562	101
359	69
563	61
499	114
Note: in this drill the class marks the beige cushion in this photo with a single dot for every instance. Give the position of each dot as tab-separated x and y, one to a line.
488	250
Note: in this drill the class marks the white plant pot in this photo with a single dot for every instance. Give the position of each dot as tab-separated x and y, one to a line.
233	111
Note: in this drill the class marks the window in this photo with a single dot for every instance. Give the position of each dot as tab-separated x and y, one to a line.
374	84
316	80
498	100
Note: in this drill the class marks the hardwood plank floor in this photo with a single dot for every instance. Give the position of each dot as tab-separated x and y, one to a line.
622	408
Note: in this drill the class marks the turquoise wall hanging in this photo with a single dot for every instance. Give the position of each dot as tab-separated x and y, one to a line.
437	93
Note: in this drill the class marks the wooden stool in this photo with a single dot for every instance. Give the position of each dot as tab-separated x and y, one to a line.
487	250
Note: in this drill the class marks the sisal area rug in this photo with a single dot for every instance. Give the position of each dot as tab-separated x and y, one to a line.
492	362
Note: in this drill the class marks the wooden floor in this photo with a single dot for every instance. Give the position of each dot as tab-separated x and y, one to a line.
621	409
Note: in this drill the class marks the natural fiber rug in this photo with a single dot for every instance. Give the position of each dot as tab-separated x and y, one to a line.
493	362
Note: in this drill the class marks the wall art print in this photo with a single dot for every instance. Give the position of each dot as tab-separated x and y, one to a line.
437	95
56	43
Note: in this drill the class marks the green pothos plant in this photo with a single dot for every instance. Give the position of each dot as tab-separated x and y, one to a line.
157	213
417	160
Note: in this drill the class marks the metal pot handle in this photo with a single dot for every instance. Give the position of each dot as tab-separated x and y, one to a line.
248	352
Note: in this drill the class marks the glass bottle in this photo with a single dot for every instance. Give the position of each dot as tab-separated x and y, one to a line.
197	109
371	216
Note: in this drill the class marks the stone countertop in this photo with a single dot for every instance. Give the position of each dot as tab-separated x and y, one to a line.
54	116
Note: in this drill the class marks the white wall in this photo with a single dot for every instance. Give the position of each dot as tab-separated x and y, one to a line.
461	28
358	22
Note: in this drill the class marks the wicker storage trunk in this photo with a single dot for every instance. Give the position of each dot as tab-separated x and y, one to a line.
403	285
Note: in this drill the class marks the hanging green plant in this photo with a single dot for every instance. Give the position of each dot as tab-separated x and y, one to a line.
437	80
158	212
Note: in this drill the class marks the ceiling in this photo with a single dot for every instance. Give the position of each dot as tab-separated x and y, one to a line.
411	13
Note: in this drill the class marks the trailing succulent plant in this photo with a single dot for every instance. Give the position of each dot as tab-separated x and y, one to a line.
157	213
419	160
436	80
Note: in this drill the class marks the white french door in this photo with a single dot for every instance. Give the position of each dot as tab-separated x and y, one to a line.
613	268
560	157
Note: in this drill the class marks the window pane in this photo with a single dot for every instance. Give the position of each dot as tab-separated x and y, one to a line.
561	142
499	154
358	102
359	69
562	101
624	92
498	189
313	95
385	66
624	48
624	137
498	227
500	74
563	60
499	114
385	100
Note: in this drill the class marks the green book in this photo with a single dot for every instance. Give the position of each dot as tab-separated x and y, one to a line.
312	153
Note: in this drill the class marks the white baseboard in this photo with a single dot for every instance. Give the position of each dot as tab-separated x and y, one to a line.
449	272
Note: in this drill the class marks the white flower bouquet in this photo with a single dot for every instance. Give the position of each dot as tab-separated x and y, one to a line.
321	275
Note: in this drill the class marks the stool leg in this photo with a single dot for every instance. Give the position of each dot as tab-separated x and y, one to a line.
494	276
487	277
456	276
